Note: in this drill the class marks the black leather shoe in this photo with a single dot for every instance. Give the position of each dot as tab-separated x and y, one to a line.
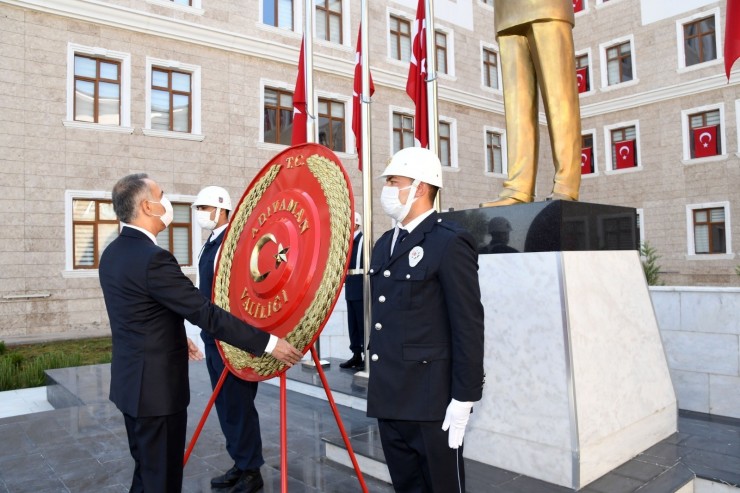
227	479
354	362
250	482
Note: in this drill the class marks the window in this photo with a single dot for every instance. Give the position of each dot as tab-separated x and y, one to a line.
171	100
97	89
94	226
278	116
624	148
445	147
187	3
583	73
619	63
705	136
403	131
700	41
176	238
494	152
400	38
619	232
490	68
587	154
709	230
329	20
278	13
331	124
440	48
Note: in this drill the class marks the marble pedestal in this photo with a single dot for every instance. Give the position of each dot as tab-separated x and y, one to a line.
576	377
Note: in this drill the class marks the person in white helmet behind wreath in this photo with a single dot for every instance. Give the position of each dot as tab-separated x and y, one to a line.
235	402
426	334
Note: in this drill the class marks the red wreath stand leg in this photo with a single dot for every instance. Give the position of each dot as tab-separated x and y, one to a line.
283	424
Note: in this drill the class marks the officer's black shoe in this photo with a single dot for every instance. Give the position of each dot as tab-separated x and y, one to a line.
250	482
227	479
354	362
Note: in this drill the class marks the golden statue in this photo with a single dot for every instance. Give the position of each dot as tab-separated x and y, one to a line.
535	39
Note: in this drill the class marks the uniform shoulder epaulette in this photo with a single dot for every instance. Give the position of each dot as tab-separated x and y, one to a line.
449	225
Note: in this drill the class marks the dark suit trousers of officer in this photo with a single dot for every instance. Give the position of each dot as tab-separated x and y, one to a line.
422	460
356	323
157	441
237	415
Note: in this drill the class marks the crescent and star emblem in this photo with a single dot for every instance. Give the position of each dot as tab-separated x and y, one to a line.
626	152
701	138
584	158
280	257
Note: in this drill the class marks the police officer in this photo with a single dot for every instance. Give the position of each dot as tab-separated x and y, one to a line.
499	229
426	341
235	402
353	285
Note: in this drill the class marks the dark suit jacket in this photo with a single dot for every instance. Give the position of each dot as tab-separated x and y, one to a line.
426	341
353	283
147	297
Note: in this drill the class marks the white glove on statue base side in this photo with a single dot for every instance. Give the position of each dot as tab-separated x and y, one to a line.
456	419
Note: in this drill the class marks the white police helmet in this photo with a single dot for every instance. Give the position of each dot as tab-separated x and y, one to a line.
214	197
416	163
358	219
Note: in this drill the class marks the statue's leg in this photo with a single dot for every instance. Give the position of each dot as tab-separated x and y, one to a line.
554	58
520	111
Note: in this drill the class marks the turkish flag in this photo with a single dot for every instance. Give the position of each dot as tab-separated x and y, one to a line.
586	164
732	34
577	5
582	78
356	104
625	153
416	86
705	141
300	120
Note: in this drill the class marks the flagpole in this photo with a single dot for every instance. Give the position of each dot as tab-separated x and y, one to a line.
308	71
432	111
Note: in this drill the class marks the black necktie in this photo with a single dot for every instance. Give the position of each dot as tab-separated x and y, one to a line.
402	233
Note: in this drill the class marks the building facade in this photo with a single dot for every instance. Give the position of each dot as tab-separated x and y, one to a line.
199	92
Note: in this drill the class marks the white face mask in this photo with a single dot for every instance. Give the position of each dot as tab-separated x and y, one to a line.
204	219
169	213
392	205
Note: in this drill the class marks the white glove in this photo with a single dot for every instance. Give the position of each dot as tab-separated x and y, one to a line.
456	418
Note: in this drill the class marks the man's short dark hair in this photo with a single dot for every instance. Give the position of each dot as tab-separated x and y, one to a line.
127	193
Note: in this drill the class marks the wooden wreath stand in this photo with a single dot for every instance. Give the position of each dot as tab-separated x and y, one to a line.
283	423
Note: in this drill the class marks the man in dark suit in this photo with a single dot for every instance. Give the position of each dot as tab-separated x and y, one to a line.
426	342
147	297
353	294
237	415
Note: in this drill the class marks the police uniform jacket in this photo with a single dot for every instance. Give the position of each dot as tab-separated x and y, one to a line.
509	14
426	341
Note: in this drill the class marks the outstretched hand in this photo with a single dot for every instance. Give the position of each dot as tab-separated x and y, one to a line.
285	352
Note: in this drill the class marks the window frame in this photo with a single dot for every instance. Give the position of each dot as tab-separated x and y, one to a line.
691	240
680	41
405	112
487	47
343	25
504	164
124	59
594	151
349	137
452	122
603	47
195	91
296	13
70	196
403	17
608	163
591	86
449	52
686	134
172	92
276	86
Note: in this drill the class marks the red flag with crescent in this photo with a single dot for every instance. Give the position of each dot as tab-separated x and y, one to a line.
625	154
300	121
582	79
586	163
732	34
416	85
356	104
705	141
577	5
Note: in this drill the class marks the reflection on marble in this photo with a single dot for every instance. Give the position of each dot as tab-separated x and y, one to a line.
576	382
550	226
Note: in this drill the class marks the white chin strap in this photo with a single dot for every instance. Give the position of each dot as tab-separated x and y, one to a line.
409	200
